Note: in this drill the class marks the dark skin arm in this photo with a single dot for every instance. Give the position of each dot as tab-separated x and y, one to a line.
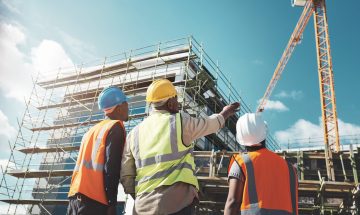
234	199
113	151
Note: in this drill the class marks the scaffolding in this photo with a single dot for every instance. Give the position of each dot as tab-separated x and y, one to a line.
63	106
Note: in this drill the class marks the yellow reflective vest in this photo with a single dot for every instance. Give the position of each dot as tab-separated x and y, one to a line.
161	158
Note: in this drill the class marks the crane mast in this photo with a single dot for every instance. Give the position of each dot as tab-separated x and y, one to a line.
325	73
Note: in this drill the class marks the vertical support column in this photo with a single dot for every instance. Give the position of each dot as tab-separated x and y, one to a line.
342	166
353	165
329	163
128	63
212	165
355	201
300	166
186	74
157	60
322	209
321	194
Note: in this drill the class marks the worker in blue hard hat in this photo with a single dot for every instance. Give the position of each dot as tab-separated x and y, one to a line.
95	179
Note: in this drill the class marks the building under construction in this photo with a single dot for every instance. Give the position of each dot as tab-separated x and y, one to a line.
63	106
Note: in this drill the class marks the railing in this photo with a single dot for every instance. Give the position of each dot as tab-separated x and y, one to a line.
318	142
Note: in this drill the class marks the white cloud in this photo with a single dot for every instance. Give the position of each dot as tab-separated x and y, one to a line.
7	133
303	132
15	71
48	56
302	129
275	105
294	94
5	128
348	128
16	67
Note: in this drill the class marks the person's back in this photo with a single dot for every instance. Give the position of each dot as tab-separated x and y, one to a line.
260	181
158	165
90	163
161	157
271	177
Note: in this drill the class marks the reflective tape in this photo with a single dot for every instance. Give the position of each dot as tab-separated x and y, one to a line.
162	158
174	155
253	198
165	173
98	141
264	211
92	164
173	134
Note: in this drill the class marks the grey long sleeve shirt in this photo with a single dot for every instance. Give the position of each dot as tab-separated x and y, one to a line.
168	199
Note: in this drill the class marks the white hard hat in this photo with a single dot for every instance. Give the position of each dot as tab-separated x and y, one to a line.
251	129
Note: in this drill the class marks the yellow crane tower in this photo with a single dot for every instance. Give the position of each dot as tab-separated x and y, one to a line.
325	72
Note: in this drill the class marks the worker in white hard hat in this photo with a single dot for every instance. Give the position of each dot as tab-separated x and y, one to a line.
158	165
95	180
260	181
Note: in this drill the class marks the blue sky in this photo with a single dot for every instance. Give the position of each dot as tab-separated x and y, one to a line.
246	37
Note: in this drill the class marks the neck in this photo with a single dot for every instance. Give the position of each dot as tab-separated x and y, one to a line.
112	117
255	148
166	109
162	108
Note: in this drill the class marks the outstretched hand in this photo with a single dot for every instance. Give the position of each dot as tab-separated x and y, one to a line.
230	110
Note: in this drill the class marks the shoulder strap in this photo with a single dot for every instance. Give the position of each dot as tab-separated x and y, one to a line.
232	159
235	158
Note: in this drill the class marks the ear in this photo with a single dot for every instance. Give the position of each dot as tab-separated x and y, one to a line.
171	104
117	110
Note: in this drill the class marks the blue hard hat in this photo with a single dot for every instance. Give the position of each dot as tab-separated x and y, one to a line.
110	97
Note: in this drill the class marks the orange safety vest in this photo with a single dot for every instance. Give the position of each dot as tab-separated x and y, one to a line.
270	185
87	177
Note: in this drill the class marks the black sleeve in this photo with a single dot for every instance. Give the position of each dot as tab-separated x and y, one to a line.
113	153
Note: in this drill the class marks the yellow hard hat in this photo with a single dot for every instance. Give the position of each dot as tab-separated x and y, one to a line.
159	90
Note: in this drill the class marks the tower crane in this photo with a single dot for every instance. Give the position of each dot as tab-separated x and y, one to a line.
317	8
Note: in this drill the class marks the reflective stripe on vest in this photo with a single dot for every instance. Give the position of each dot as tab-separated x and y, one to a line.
164	173
251	180
92	164
253	198
264	211
177	157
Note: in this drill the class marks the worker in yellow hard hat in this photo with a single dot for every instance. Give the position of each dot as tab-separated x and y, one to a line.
158	167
